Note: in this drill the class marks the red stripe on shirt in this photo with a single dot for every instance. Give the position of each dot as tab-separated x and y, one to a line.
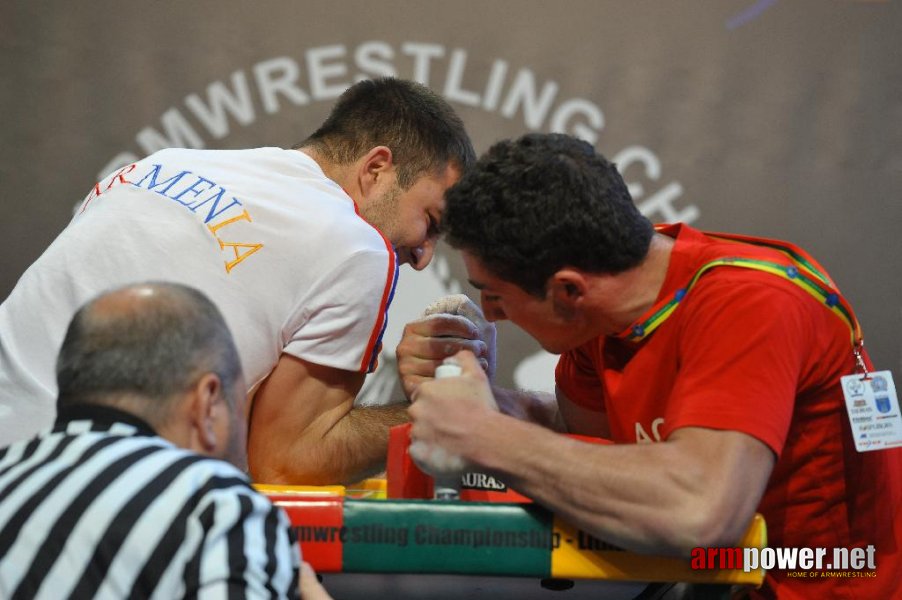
383	304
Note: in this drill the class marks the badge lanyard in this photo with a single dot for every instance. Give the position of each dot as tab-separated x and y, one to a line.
803	270
873	407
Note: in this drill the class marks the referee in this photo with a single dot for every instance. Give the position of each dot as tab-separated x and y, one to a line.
126	496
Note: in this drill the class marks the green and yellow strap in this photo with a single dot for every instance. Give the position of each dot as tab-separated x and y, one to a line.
802	270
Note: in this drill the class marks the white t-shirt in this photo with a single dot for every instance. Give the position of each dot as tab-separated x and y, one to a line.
264	233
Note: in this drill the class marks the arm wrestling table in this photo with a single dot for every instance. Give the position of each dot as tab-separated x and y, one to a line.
383	539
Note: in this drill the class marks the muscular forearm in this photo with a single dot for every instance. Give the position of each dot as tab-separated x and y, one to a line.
700	487
354	448
366	436
647	498
305	430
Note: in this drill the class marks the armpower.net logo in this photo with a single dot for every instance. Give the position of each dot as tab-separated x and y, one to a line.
796	562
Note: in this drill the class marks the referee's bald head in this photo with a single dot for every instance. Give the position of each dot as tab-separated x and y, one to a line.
140	346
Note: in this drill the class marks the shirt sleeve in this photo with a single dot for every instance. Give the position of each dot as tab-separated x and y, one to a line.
249	550
742	344
346	314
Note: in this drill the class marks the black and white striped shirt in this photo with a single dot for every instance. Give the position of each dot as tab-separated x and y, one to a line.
101	507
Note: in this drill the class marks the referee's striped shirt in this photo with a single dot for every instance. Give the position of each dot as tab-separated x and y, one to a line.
101	507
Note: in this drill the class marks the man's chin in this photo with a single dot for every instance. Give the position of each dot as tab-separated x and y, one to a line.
562	346
553	348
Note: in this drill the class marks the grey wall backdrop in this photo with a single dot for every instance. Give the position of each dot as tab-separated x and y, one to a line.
779	118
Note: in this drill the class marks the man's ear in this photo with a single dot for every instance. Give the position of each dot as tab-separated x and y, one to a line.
567	288
206	397
374	167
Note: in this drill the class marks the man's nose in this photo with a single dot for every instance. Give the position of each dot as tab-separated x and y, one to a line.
420	257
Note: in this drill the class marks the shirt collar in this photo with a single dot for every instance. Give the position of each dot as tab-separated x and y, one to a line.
102	418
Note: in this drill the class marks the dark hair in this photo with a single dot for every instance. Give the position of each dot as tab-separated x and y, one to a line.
419	126
544	201
148	341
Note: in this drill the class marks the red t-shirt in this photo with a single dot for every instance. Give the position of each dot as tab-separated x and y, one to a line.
751	351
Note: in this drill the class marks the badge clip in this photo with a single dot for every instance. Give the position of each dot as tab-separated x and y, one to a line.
860	367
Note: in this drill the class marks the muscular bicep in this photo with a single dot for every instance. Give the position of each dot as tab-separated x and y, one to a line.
292	411
581	420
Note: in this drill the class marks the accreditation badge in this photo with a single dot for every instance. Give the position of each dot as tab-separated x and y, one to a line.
873	408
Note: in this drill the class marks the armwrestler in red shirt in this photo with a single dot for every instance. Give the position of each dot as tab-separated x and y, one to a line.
733	371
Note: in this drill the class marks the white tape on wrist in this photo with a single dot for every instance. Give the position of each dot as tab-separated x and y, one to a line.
446	469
